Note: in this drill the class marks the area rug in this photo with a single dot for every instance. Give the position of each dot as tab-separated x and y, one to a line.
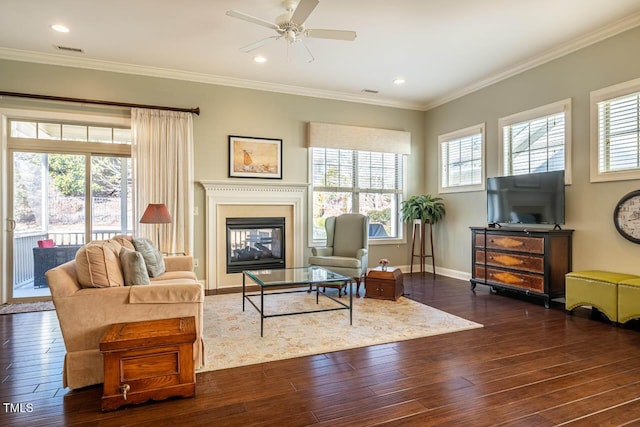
26	307
232	337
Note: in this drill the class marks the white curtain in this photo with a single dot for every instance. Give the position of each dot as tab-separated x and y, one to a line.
162	154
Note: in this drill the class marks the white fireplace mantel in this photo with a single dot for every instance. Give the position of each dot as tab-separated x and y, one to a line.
251	193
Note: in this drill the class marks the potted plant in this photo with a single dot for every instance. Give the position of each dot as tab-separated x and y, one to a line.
425	207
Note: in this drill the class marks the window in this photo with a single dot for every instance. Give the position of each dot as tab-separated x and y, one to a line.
537	140
348	181
65	132
461	161
615	132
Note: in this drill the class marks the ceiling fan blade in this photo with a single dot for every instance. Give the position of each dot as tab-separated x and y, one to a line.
302	12
331	34
253	46
252	19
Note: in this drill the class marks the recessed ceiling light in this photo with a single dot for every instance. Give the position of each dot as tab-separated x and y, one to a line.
259	59
399	81
60	28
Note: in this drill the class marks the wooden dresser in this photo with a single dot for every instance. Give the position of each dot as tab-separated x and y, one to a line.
531	262
148	360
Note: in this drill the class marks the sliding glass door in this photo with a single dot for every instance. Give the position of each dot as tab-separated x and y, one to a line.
68	185
50	211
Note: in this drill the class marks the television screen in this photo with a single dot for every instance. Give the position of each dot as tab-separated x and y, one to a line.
536	198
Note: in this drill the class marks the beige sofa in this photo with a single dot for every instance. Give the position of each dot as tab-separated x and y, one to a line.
86	313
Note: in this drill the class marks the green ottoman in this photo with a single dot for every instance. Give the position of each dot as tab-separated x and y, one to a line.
628	300
596	288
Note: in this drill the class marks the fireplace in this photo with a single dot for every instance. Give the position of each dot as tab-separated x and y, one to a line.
255	244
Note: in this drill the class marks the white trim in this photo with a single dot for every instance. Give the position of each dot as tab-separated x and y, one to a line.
446	138
190	76
597	96
251	193
447	272
571	46
544	110
559	51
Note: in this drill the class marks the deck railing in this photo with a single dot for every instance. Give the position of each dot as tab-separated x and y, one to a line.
23	249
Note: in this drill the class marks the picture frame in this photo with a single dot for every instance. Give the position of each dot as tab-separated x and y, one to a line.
251	157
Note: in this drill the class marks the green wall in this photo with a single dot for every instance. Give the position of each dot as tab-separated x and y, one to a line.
224	111
589	207
227	110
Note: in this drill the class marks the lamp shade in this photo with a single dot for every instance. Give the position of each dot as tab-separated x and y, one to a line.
156	213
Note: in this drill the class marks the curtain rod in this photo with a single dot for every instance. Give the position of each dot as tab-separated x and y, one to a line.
195	111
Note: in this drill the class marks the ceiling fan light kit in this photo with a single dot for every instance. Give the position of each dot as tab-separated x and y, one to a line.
290	25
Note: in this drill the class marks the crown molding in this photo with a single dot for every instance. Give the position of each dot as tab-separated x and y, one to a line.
571	46
167	73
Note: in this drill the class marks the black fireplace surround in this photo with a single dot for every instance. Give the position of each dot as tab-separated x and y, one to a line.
255	244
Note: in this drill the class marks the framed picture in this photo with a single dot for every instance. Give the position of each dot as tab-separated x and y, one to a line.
251	157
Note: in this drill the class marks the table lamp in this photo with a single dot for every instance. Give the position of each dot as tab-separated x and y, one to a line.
156	213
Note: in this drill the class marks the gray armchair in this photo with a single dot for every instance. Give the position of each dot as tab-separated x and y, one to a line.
347	250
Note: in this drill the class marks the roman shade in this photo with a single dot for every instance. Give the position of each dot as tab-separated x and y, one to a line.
358	138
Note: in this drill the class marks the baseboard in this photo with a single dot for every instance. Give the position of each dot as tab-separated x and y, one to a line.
447	272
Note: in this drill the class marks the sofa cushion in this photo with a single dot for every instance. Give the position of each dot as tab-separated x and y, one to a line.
152	256
98	265
125	241
187	276
134	269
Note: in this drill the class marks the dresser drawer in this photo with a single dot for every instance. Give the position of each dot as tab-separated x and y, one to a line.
511	243
517	280
516	261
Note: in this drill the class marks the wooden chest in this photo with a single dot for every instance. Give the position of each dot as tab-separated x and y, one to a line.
384	284
148	360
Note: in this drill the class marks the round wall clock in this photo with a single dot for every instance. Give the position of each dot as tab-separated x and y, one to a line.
626	216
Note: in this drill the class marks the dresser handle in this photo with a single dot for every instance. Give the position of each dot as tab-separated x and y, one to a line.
490	257
521	262
125	389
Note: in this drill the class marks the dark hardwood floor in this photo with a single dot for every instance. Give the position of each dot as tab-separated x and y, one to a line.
527	366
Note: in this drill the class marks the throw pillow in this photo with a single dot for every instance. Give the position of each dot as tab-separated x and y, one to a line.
134	268
124	240
98	265
151	255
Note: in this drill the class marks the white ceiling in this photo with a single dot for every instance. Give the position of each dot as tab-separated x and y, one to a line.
443	48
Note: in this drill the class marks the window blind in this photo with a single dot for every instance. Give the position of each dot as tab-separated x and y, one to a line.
535	145
461	160
619	134
353	181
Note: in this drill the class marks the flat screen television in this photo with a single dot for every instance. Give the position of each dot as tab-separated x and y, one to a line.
536	198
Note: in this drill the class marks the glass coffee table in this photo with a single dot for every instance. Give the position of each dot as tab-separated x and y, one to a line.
269	280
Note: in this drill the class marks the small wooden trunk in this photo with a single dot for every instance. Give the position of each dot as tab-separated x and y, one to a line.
384	284
150	359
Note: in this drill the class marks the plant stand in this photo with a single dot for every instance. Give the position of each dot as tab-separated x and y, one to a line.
419	231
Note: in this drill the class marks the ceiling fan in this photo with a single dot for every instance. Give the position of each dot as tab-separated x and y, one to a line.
290	25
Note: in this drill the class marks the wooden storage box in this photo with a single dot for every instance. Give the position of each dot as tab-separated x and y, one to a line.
384	284
148	360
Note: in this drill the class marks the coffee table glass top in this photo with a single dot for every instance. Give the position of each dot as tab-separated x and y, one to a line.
295	276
